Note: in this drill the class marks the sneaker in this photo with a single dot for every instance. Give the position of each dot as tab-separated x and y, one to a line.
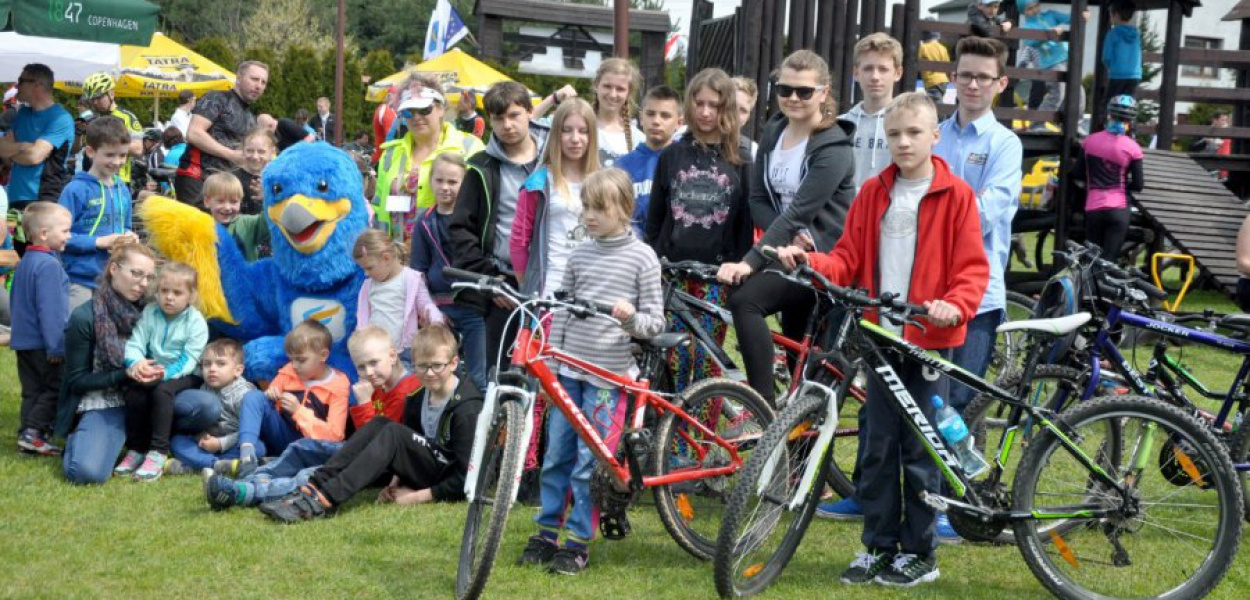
945	533
866	567
538	551
908	570
152	468
846	509
569	561
129	463
174	466
235	468
31	441
303	504
221	492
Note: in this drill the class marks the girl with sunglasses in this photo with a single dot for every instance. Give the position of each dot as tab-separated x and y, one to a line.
802	186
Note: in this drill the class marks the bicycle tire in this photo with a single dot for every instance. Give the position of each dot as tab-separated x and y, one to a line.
479	546
753	519
1010	347
1076	566
1239	453
986	418
691	511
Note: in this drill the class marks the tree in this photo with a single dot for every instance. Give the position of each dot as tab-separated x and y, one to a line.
299	25
196	19
217	50
379	63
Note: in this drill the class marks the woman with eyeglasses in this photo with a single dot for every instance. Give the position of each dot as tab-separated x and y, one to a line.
403	183
91	409
802	186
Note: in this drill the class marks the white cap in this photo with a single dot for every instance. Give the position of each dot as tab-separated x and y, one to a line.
421	99
10	94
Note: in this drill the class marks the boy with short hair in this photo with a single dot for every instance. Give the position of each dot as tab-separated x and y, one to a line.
223	197
306	399
748	93
40	312
661	116
912	231
383	389
99	205
878	66
1121	51
221	365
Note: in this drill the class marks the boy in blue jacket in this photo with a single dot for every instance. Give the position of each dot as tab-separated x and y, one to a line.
661	116
40	312
1050	54
99	206
1121	51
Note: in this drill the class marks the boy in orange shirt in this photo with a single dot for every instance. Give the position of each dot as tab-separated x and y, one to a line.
913	231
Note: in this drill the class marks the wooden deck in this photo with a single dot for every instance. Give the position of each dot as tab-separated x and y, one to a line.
1194	211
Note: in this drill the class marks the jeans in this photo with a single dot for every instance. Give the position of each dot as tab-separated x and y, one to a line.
188	451
93	446
568	462
260	421
292	469
471	326
196	410
974	356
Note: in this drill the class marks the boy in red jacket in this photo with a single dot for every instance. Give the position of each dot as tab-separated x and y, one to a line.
913	230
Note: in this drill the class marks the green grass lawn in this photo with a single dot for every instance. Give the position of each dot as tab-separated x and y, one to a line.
159	540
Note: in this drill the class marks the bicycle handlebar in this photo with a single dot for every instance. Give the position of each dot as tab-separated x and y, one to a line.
691	268
895	308
494	286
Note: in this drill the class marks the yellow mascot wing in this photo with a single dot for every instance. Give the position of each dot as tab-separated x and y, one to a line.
186	234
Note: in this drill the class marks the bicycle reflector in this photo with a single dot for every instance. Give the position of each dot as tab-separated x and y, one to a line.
1180	465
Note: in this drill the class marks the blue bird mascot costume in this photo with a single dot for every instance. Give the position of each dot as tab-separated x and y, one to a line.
315	208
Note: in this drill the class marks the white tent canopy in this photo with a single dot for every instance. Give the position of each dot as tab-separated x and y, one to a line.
68	59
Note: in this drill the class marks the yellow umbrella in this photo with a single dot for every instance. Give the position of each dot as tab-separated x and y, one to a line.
162	69
455	69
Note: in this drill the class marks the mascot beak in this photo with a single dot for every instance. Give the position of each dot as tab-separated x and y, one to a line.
308	222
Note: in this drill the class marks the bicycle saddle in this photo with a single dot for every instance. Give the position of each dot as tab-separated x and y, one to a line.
1057	326
666	340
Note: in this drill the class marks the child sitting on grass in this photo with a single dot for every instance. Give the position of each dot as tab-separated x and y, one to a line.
221	366
913	231
168	339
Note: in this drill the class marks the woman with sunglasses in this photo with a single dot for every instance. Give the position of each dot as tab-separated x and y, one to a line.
802	186
403	183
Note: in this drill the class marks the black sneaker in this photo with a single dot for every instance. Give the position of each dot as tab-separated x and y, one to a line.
303	504
538	551
220	492
908	570
866	567
569	561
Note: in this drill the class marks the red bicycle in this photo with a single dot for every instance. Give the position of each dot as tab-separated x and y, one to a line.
689	462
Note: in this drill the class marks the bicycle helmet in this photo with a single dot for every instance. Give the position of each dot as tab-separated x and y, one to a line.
97	84
1123	107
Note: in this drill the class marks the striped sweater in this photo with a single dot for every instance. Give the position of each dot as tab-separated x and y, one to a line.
608	270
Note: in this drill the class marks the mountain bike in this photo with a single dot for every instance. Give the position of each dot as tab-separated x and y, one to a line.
690	469
1094	514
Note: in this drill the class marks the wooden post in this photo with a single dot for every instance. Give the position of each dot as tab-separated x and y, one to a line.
898	28
868	17
755	60
700	10
620	28
1072	111
826	16
1242	112
1097	96
797	20
491	32
813	20
651	58
778	38
846	83
878	22
911	43
1171	73
831	38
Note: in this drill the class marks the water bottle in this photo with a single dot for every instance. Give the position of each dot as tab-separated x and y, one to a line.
956	434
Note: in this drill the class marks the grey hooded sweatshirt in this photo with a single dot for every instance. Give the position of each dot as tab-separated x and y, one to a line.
871	153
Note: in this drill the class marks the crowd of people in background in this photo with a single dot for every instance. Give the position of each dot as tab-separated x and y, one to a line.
559	192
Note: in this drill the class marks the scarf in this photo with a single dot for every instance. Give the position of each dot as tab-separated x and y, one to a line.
115	317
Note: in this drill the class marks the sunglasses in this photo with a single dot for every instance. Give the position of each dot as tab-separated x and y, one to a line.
804	93
408	113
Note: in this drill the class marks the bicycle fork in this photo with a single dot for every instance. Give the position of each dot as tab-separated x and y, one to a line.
824	438
485	419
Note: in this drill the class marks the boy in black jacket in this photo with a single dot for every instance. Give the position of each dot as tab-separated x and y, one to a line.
427	461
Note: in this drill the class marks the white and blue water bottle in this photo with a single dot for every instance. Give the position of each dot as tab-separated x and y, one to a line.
956	434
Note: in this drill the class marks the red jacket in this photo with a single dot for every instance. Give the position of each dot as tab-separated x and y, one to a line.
388	403
950	261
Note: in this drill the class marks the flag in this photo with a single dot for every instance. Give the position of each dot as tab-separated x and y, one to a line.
446	28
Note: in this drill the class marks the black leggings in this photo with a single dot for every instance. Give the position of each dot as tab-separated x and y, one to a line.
1107	229
760	296
380	448
150	413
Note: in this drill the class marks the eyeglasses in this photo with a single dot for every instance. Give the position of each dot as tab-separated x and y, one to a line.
408	113
431	368
804	92
965	78
141	274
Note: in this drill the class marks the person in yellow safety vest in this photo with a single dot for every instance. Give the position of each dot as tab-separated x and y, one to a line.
98	91
403	184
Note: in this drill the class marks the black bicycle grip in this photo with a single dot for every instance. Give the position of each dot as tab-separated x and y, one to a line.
1150	290
462	274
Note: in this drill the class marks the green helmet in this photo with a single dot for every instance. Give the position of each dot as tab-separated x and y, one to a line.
97	84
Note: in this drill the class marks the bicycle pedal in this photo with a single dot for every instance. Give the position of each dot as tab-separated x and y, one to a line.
614	527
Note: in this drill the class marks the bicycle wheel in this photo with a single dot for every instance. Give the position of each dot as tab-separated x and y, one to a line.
1163	540
1009	347
488	512
843	457
986	416
1239	453
691	510
760	532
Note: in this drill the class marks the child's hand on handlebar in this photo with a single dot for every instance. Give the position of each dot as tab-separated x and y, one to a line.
942	313
791	257
733	273
623	311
